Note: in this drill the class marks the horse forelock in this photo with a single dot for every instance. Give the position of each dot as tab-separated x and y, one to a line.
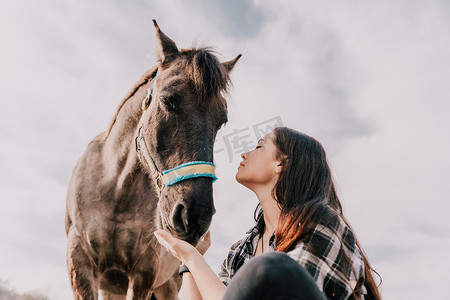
207	74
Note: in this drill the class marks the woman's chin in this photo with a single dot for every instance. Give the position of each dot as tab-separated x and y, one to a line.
241	179
238	177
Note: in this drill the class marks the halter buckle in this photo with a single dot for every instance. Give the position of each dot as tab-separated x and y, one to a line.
147	99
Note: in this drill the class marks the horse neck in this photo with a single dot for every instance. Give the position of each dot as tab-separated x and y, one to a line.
120	136
119	147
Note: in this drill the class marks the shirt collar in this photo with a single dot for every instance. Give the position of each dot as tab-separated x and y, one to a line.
258	229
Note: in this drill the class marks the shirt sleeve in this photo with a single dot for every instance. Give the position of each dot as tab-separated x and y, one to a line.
227	270
224	274
328	273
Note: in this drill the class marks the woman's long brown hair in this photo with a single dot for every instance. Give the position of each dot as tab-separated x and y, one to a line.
305	192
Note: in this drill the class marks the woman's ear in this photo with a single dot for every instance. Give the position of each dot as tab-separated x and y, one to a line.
281	163
278	167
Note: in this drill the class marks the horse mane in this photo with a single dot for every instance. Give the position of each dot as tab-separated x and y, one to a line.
148	75
205	71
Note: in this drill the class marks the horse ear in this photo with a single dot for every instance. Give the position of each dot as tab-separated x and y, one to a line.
166	46
229	65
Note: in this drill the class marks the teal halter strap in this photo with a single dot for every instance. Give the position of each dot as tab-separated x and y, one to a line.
148	96
193	169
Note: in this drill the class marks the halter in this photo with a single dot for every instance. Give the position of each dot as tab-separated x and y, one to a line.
169	177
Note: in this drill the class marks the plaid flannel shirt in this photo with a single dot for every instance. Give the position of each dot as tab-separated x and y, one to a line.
328	272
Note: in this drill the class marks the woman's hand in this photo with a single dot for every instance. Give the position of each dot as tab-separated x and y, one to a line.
204	243
203	277
181	249
178	248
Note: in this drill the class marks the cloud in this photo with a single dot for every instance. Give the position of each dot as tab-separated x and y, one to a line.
241	20
8	294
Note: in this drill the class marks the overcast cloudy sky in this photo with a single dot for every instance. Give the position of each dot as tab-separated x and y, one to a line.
369	79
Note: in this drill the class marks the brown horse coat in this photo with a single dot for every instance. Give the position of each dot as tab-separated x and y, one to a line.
112	209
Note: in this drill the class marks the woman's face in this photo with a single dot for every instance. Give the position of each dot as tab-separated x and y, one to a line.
259	167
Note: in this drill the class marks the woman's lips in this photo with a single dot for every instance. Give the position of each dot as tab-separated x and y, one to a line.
241	165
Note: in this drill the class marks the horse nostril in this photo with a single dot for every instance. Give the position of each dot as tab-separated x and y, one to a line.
180	218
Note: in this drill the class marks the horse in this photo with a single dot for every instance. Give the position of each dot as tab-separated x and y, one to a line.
117	194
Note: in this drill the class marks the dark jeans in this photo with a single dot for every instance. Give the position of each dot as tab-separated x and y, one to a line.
273	276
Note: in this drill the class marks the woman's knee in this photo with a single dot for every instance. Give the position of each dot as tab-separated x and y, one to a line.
274	274
278	267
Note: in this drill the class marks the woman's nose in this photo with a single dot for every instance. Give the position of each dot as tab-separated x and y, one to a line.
244	155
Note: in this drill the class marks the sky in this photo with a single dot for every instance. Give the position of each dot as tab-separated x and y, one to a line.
368	79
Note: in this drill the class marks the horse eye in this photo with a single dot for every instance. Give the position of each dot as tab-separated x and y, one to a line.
167	103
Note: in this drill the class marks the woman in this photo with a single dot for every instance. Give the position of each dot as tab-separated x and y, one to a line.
301	247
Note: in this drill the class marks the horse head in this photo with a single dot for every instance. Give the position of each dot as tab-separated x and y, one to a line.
182	112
